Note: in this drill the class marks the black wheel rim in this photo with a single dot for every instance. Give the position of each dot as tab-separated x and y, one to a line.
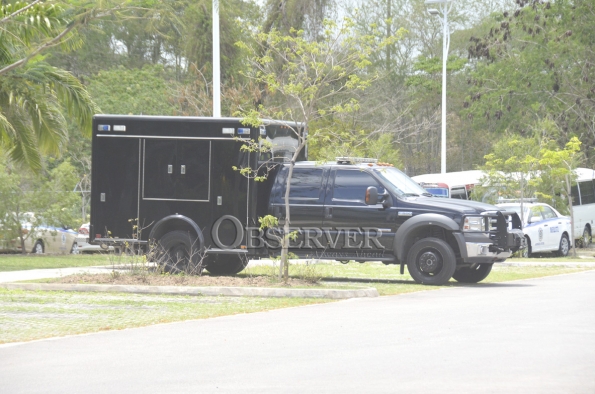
429	262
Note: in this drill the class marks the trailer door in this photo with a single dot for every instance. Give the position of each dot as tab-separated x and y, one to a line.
176	169
115	184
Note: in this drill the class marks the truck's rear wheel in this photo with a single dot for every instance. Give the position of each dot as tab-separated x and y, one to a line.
226	264
179	251
431	261
472	275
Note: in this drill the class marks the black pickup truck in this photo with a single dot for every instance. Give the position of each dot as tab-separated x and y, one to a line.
173	178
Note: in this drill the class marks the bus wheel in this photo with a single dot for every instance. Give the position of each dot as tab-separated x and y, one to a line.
586	237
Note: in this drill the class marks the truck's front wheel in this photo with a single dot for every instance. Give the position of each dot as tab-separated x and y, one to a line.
431	261
179	251
226	264
472	275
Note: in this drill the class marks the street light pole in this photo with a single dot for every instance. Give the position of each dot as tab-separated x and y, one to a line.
216	64
445	7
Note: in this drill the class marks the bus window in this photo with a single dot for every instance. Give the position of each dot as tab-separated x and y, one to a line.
576	199
437	191
587	192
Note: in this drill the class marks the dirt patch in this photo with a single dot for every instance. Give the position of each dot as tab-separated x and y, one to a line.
179	280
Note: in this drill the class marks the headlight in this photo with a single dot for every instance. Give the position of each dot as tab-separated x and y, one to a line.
474	223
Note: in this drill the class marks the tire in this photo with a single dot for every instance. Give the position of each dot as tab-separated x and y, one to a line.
179	251
526	253
75	249
564	246
586	240
38	248
431	261
226	264
472	275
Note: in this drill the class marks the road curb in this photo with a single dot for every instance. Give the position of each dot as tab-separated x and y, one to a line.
199	291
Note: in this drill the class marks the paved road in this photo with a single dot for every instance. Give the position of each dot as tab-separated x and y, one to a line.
533	336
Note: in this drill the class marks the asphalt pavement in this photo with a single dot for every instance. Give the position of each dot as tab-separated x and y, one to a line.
533	336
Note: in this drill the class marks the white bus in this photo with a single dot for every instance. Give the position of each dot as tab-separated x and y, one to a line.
583	205
450	185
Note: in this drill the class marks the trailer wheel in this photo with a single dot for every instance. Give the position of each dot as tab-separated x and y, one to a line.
180	251
431	261
472	275
226	264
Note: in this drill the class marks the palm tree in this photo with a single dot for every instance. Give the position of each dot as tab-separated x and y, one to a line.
35	96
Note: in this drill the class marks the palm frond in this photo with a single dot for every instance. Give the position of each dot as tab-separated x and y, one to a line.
7	131
23	146
74	97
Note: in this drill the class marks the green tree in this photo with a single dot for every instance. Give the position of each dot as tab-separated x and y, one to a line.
559	165
309	82
133	91
511	170
34	96
532	64
37	199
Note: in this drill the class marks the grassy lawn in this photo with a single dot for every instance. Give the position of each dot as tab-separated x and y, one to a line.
388	281
18	262
30	315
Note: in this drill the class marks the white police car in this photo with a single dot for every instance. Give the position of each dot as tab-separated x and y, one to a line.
545	229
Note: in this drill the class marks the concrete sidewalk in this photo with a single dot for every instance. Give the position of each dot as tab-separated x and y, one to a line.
16	276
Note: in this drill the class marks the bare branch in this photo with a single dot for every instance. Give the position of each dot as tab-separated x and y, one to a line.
48	44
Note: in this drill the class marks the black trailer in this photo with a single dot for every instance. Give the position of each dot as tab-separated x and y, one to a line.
155	178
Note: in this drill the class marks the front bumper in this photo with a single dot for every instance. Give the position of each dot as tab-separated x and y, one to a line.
479	248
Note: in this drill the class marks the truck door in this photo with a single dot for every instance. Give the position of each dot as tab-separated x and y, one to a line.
306	198
345	210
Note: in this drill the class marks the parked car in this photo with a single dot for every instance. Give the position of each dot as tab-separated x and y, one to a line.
545	229
49	239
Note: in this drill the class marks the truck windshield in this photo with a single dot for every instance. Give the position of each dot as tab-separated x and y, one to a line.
399	183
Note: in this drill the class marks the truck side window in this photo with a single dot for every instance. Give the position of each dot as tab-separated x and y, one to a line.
351	186
306	185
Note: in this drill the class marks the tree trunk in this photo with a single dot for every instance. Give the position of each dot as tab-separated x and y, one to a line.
569	196
284	266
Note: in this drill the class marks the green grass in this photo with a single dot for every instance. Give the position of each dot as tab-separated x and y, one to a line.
389	281
18	262
30	315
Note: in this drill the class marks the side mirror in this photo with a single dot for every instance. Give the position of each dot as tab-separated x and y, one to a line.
371	196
